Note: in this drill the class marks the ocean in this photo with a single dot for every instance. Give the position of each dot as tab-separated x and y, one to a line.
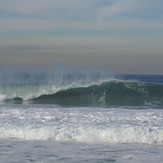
80	117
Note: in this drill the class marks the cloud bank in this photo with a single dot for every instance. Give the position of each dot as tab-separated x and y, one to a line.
99	33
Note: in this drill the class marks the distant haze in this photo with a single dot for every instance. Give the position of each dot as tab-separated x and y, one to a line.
121	36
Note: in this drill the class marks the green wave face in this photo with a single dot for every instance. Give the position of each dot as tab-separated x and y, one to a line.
107	94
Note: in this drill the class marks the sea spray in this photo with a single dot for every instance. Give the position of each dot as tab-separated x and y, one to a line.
28	86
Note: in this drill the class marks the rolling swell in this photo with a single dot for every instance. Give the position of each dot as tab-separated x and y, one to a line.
106	94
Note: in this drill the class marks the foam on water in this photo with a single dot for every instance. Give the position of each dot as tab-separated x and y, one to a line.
90	125
86	134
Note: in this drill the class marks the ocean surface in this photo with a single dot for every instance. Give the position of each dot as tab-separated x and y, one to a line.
81	117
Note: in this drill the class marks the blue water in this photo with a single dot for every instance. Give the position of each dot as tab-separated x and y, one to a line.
83	117
142	78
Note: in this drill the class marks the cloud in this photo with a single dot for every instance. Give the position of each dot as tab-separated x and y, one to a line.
50	26
56	18
69	15
28	25
48	9
119	7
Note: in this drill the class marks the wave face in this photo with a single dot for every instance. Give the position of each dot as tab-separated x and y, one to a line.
108	93
114	92
82	89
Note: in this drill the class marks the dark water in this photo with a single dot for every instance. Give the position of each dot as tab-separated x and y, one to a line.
107	94
83	90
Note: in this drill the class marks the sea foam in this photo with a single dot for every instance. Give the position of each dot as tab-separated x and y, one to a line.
86	134
89	125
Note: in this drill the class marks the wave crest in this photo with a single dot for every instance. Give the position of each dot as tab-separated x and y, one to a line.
106	93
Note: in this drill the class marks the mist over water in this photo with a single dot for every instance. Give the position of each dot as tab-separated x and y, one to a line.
31	85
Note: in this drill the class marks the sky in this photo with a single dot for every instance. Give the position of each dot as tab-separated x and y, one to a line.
121	36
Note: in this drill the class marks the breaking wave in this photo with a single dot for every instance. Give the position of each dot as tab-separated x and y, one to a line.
114	92
97	125
86	134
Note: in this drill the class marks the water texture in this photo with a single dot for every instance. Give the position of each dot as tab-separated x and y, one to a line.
81	118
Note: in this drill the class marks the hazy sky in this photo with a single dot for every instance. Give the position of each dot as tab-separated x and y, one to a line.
122	36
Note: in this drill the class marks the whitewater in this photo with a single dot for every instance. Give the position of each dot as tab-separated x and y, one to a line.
81	118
